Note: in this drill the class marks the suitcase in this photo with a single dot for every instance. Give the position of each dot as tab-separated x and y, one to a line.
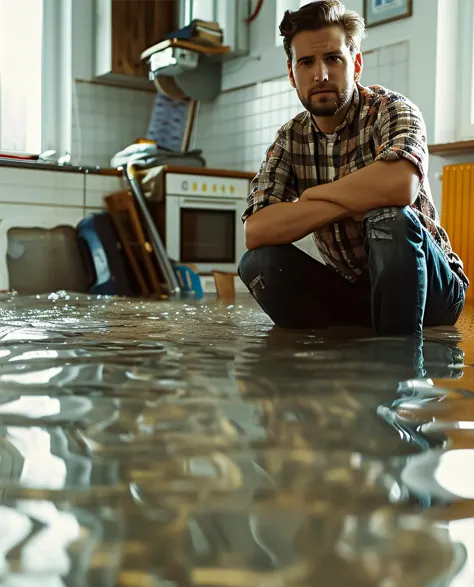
107	266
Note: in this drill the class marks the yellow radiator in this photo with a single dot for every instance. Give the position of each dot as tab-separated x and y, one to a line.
457	213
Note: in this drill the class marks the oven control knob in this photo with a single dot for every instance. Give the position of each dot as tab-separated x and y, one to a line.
185	186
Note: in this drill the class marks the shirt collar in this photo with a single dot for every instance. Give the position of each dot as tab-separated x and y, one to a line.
349	116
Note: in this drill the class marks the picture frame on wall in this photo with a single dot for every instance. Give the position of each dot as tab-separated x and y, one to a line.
377	12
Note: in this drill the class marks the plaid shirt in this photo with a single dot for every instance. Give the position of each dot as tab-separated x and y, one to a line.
380	126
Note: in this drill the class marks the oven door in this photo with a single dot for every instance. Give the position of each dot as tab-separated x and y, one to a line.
206	232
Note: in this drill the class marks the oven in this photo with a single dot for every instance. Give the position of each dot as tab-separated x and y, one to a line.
203	222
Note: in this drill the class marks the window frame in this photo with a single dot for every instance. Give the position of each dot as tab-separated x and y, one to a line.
465	117
187	13
57	79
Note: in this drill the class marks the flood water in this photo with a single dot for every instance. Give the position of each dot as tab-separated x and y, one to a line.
193	444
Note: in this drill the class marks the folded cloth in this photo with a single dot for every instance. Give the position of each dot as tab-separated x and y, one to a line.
152	154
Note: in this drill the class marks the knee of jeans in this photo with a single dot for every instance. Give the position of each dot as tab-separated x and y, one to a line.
246	266
256	262
390	223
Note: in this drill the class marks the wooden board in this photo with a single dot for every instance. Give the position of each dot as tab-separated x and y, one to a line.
137	24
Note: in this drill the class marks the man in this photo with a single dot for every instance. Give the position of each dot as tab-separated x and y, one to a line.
352	170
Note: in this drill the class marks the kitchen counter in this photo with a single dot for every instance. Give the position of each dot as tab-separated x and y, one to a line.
109	171
20	164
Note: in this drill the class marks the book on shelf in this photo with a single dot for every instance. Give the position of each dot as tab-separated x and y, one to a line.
200	31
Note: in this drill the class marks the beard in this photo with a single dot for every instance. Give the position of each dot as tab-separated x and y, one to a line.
329	105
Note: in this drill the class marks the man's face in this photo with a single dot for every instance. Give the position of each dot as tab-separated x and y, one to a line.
323	70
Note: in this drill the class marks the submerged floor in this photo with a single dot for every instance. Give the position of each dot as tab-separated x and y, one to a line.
164	444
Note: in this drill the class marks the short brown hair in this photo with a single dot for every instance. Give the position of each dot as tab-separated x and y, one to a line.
320	14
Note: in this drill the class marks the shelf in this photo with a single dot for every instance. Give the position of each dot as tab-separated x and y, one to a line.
209	50
194	70
455	148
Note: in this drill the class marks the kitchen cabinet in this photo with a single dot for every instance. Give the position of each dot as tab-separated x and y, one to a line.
97	187
123	30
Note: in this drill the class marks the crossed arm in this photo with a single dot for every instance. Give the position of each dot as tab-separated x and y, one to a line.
383	183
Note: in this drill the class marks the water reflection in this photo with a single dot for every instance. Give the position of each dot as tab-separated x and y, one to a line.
182	445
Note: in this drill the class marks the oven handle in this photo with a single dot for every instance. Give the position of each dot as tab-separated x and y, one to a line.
197	202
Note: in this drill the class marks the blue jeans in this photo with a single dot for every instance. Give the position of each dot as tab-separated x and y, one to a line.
409	284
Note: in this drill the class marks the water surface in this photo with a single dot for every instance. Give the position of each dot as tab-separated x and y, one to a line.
194	444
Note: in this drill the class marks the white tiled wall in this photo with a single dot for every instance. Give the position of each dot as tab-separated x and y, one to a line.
388	67
107	119
236	129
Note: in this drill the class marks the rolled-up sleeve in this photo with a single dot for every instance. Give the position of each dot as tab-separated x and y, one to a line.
275	182
400	132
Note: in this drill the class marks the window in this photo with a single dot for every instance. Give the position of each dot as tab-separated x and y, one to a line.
198	9
465	122
21	35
